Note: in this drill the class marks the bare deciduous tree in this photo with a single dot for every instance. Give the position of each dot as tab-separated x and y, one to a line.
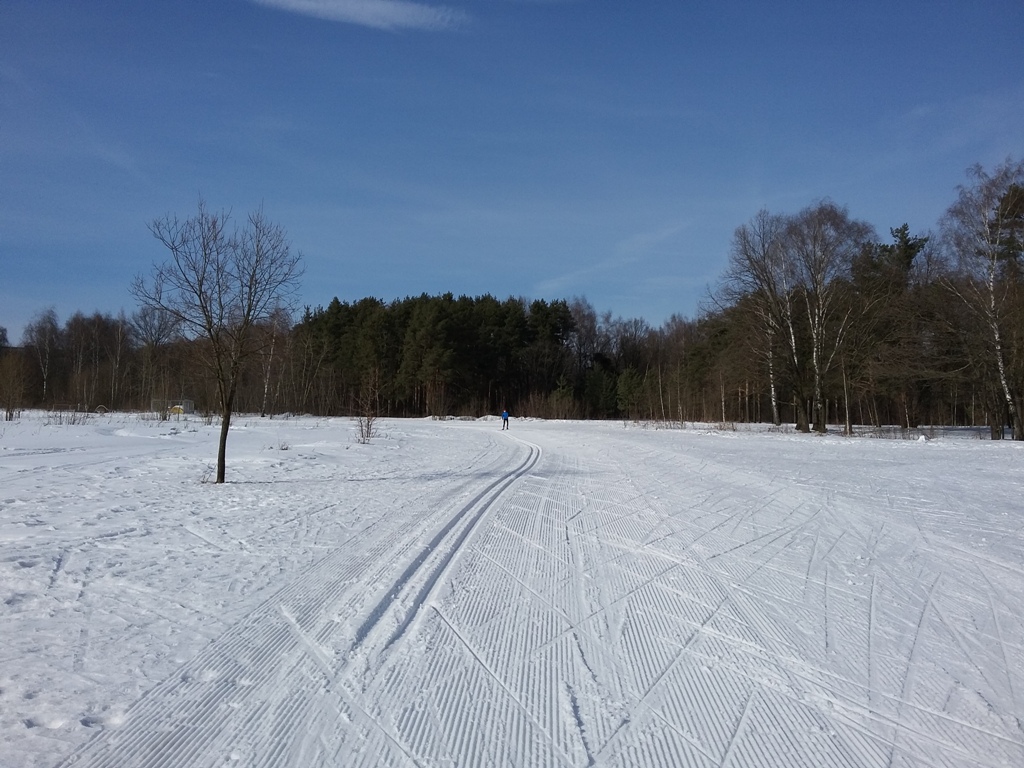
42	336
218	285
272	333
761	269
792	272
983	231
153	328
823	241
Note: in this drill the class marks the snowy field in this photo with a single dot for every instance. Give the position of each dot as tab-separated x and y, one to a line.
562	594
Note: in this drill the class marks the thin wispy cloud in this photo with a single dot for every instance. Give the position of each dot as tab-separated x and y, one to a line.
643	242
379	14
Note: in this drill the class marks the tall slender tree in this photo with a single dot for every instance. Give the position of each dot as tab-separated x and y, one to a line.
43	337
763	272
823	242
983	230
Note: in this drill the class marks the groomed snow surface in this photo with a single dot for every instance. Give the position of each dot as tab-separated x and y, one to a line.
562	594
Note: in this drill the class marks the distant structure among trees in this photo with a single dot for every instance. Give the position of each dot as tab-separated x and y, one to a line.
816	322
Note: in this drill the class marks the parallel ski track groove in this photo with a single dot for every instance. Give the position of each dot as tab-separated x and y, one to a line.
275	647
479	505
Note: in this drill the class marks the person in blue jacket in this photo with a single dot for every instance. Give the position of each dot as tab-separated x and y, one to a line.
504	419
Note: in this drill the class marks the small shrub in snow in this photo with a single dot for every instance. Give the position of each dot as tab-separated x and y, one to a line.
63	415
366	428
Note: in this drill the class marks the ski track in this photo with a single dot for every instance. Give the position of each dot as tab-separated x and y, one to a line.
256	687
558	607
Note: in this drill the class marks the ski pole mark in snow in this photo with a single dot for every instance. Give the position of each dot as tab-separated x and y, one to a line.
581	727
315	651
737	734
203	538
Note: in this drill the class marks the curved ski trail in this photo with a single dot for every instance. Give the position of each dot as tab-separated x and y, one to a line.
255	695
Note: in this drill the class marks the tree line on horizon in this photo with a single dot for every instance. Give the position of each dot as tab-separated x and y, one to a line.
815	321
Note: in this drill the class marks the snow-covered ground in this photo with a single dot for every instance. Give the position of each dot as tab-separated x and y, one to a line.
562	594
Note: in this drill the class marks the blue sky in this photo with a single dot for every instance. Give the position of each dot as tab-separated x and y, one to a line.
545	149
